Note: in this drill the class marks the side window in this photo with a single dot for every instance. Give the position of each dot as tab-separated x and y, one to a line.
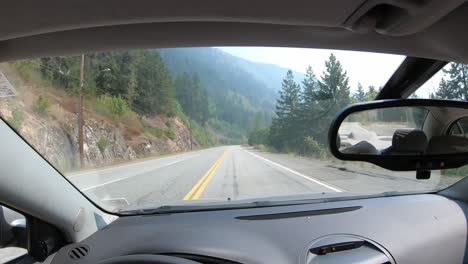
459	128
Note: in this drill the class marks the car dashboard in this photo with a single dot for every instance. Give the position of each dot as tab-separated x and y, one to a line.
422	228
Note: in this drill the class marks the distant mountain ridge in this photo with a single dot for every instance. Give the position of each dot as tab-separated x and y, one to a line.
221	63
269	74
239	89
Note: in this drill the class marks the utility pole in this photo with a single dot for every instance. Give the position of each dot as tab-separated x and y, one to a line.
190	117
190	129
80	113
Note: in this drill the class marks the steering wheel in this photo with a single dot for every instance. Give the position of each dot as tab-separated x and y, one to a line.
147	259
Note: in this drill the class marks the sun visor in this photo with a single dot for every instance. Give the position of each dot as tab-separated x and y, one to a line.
399	17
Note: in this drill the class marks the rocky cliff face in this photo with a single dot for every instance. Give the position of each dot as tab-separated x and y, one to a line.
56	138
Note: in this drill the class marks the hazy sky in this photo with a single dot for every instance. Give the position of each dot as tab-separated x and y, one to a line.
366	68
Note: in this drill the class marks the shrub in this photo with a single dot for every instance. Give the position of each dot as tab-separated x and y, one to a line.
103	143
170	133
312	148
201	135
133	120
42	105
154	131
113	106
27	69
17	118
261	147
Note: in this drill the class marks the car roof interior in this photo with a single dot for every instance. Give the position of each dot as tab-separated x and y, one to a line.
427	29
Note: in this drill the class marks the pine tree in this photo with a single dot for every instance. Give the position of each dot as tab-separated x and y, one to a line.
310	86
192	97
334	83
455	83
310	108
285	126
155	87
332	95
371	93
199	100
183	85
360	95
132	86
289	100
445	91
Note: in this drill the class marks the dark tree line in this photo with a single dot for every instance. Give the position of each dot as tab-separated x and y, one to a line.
454	83
235	95
192	97
140	77
304	111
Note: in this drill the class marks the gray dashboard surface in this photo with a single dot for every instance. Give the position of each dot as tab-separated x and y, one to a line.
425	228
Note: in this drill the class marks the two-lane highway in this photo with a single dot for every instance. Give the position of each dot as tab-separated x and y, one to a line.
231	173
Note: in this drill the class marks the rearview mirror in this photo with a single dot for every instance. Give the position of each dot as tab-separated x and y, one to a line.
402	135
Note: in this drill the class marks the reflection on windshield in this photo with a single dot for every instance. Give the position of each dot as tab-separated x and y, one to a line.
188	126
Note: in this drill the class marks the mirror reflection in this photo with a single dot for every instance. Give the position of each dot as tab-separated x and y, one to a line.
405	130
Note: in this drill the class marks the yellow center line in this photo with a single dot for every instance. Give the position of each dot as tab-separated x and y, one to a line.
200	186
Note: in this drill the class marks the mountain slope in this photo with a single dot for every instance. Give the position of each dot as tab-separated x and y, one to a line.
236	94
269	74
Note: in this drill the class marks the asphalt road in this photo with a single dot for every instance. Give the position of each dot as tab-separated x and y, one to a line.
233	173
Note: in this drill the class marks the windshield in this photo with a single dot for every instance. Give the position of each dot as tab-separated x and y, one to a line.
142	129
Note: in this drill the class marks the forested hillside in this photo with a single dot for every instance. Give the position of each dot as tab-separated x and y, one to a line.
235	97
139	78
130	108
208	88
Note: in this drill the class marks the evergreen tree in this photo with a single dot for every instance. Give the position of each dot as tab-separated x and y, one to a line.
199	99
310	87
360	95
155	87
288	102
332	95
371	93
309	107
192	97
132	86
334	83
183	85
285	126
454	85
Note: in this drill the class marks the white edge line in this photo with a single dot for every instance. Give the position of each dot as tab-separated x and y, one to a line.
126	165
124	178
297	173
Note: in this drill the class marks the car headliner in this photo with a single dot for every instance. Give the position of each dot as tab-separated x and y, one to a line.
430	29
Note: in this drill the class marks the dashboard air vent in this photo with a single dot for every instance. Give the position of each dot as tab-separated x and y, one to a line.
347	249
78	252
